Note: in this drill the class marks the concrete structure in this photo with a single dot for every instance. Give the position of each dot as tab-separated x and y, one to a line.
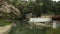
40	22
28	16
47	15
56	24
56	21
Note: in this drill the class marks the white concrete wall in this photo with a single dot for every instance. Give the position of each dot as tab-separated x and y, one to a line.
40	19
56	24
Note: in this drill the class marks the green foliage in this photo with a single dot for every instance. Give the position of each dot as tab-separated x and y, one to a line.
24	29
53	31
14	2
47	6
4	23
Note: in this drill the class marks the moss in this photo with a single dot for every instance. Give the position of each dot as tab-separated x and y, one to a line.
4	23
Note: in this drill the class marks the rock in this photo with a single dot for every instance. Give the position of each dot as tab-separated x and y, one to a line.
5	29
9	10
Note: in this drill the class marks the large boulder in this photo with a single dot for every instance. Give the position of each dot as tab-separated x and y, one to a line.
5	29
9	11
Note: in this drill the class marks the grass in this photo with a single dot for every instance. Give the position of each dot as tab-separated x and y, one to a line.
24	29
4	23
53	31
